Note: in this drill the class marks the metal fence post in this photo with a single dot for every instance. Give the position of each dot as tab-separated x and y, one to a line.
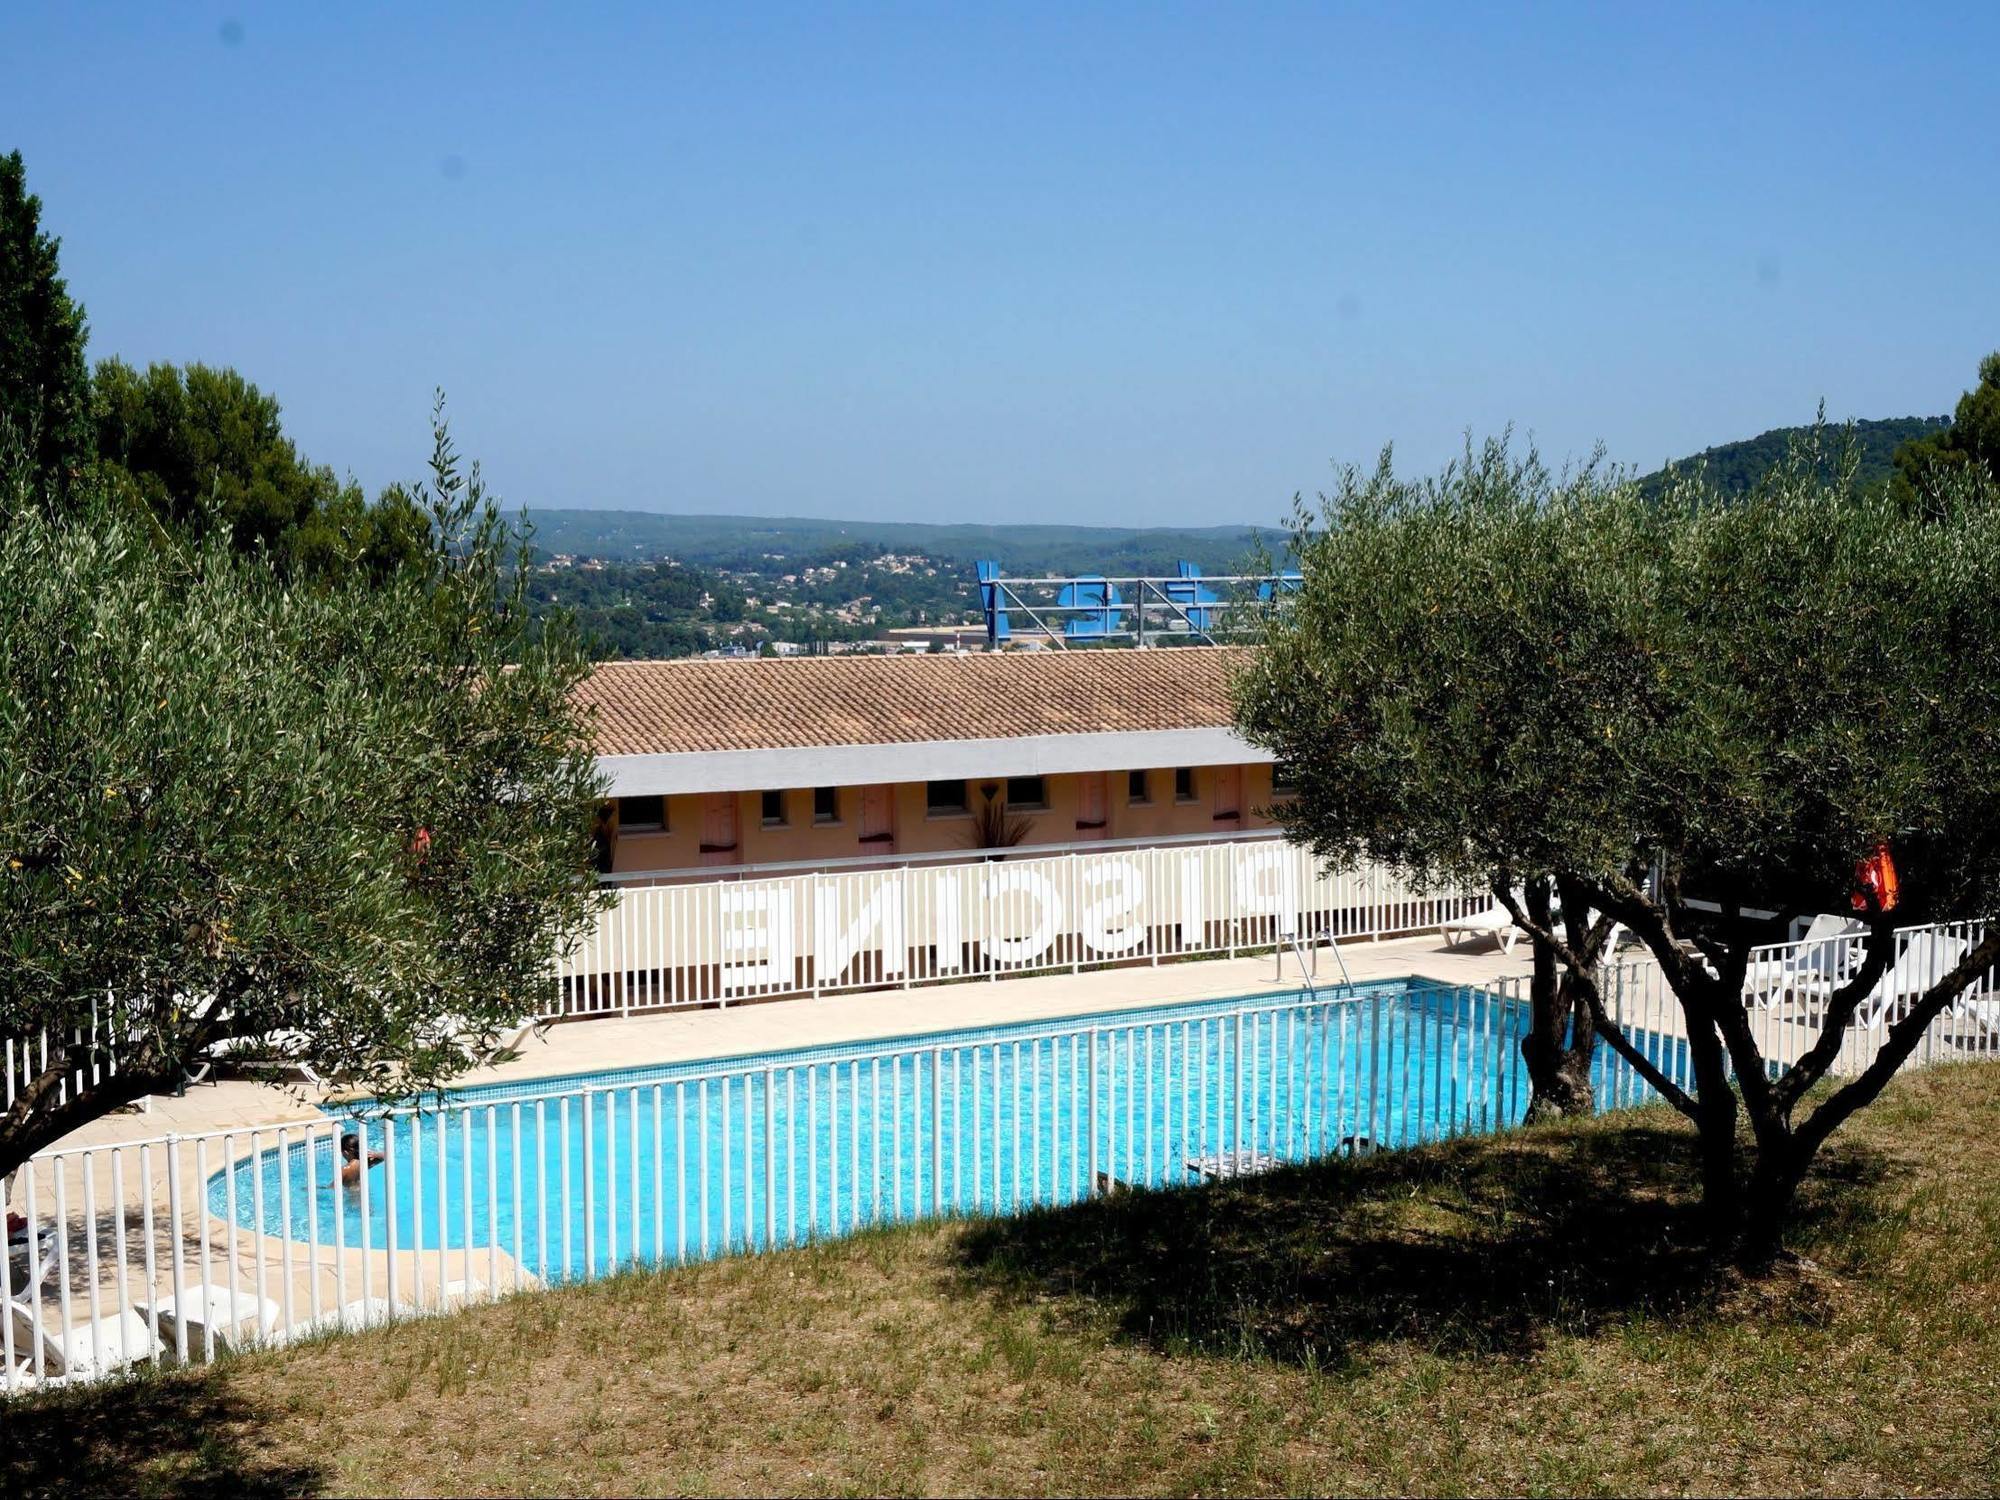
812	944
937	1132
174	1219
1229	897
589	1185
1090	1112
770	1158
1076	910
1236	1072
624	956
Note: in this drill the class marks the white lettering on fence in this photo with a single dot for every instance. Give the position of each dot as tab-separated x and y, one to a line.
1120	904
1194	913
1267	884
702	942
756	922
1036	916
877	923
947	923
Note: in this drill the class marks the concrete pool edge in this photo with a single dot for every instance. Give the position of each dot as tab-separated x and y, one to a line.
960	1033
864	1017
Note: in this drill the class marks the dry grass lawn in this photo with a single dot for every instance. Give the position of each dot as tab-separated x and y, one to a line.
1525	1314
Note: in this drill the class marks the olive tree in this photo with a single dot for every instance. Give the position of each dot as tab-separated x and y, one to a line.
1554	682
351	819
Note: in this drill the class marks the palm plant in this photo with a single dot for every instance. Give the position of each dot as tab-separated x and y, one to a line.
992	827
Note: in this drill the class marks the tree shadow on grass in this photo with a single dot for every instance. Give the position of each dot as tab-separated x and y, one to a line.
1476	1246
186	1434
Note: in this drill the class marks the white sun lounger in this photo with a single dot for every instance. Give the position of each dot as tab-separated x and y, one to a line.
1494	922
20	1262
361	1313
275	1051
1921	964
90	1347
1222	1166
512	1035
1984	1012
507	1038
1828	950
1924	960
376	1312
231	1321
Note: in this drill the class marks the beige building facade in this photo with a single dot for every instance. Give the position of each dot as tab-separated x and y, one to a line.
839	761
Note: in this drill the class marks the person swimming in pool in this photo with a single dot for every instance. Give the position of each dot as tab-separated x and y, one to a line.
352	1165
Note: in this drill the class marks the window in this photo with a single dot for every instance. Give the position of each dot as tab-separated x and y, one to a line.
1184	784
1027	794
642	814
826	804
943	799
1137	791
1284	780
774	809
603	849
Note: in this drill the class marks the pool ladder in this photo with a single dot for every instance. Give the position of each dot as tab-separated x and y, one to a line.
1309	966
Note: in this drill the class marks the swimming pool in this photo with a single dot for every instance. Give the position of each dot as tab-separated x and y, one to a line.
573	1177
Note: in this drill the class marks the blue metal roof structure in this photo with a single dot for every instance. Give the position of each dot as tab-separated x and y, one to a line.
1092	609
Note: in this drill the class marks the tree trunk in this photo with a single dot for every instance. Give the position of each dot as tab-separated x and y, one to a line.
1721	1192
1558	1050
1774	1189
1562	1037
1715	1122
1541	1049
1581	1050
1786	1150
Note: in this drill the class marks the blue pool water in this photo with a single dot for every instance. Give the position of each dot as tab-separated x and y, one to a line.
573	1177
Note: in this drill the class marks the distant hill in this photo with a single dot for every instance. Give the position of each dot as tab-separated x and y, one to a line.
748	541
753	543
1735	467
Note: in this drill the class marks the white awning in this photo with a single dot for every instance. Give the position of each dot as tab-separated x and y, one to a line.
931	760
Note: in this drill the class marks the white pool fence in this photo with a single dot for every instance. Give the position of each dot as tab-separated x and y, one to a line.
178	1248
157	1251
182	1247
716	942
815	933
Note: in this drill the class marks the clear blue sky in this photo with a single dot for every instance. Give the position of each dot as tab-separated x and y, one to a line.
1076	263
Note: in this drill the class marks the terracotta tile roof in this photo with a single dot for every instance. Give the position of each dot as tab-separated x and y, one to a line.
664	707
